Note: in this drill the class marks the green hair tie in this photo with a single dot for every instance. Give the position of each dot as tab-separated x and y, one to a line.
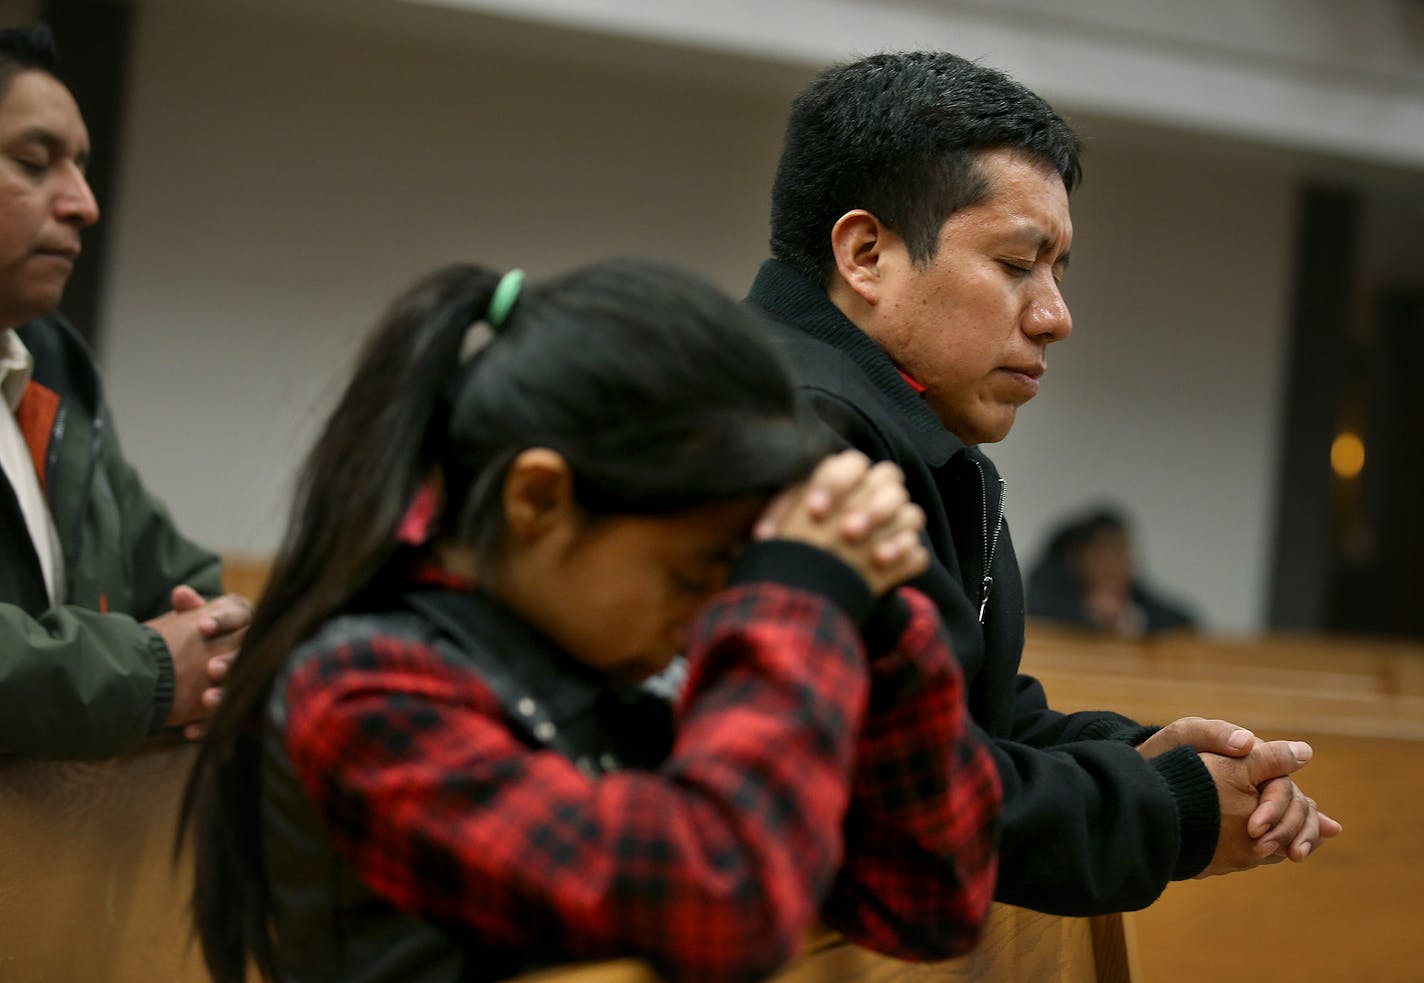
505	294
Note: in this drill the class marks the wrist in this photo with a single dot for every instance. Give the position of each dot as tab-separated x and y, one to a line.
799	565
1198	808
165	680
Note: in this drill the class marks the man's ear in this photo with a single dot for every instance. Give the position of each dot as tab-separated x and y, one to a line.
859	242
538	493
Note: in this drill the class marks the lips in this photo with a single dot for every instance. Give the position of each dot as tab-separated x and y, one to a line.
66	252
1024	378
1033	371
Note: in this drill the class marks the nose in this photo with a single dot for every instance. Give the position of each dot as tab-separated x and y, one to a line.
1047	318
75	204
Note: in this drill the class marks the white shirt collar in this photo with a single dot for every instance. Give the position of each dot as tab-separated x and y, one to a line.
16	367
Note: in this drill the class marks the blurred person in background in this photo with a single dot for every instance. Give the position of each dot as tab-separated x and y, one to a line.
1088	576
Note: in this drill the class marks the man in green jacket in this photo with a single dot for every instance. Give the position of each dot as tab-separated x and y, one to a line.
105	633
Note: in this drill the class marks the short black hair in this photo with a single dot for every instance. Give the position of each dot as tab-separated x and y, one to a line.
900	135
26	49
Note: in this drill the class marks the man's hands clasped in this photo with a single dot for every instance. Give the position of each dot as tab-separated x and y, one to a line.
203	638
1265	817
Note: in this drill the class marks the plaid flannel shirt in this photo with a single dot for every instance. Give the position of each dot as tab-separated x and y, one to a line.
711	867
921	833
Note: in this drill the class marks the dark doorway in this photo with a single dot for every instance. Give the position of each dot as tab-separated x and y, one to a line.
1379	579
1349	545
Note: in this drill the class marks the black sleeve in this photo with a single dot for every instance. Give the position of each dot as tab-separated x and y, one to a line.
1089	825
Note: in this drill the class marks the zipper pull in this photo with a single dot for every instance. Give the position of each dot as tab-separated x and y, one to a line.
985	587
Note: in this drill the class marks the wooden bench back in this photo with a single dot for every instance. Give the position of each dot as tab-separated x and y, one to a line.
1353	911
87	887
88	890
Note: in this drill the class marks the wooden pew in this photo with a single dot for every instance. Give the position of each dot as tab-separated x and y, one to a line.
1018	945
88	892
1351	913
1349	686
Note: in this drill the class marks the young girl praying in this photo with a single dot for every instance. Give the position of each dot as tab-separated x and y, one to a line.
436	758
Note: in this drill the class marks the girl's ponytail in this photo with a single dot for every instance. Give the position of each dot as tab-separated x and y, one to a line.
355	487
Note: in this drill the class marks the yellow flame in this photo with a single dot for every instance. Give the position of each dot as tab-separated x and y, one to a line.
1347	454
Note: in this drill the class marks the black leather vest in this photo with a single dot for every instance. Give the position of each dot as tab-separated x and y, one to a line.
329	925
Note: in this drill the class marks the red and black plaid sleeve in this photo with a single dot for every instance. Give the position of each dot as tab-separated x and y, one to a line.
921	830
710	868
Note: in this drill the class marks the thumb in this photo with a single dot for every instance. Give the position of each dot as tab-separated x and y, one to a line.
185	598
1223	737
1273	759
769	523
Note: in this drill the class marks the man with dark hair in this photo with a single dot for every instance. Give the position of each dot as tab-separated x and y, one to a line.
105	636
920	228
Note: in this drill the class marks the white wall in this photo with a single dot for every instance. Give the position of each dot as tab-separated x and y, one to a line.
283	178
281	184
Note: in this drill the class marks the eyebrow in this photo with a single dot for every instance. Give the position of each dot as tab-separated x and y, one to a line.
1045	244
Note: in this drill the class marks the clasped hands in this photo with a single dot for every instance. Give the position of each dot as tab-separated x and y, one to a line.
1265	817
857	511
203	638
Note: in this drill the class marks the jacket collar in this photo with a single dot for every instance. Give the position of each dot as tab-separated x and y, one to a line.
795	300
529	660
63	361
557	701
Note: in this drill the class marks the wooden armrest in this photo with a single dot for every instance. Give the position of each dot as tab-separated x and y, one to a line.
613	971
1018	945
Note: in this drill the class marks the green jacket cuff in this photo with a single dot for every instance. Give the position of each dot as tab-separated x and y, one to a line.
164	684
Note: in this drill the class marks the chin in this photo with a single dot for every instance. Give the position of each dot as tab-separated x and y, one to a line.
989	426
984	434
26	311
996	429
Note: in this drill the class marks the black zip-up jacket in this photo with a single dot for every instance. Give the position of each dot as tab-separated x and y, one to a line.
1089	826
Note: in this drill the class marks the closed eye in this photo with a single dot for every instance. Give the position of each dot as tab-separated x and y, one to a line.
32	167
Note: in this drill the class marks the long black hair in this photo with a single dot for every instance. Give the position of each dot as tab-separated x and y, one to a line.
661	393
